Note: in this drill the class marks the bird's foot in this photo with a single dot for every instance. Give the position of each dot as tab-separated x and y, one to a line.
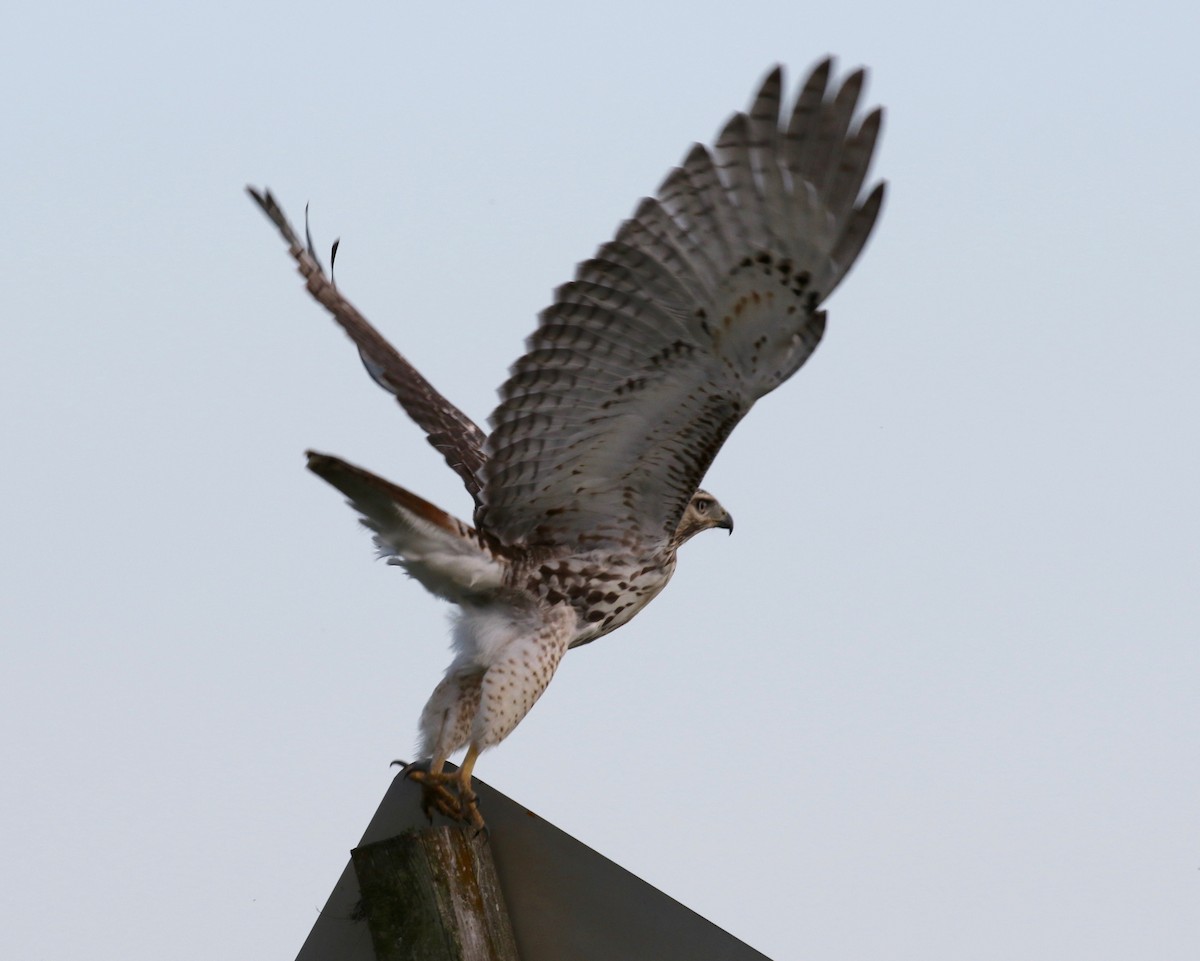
445	792
438	793
470	809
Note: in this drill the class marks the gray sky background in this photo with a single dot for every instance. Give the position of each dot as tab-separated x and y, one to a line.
935	699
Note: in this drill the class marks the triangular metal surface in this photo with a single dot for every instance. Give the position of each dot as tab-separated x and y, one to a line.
566	902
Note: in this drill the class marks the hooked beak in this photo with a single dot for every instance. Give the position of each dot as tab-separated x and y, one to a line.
726	522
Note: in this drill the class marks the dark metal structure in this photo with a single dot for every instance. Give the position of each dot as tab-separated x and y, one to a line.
565	902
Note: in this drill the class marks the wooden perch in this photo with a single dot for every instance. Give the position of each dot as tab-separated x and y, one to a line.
432	895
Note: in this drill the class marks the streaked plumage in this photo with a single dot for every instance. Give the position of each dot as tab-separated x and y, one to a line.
587	485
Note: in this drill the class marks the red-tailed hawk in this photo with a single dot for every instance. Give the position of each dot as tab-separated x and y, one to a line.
707	299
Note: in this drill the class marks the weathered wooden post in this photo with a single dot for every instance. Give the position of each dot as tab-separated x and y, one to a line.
432	894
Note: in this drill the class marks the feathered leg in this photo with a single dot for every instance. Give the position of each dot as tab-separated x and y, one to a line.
483	707
445	727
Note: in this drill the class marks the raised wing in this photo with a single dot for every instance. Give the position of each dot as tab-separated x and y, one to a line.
706	300
449	430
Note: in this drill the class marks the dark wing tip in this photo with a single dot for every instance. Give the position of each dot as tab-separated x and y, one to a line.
772	83
270	206
317	462
267	203
875	198
819	75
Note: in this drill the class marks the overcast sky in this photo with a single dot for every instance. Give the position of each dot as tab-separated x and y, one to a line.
935	699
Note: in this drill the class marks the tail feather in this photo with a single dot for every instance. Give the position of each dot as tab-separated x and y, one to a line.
445	555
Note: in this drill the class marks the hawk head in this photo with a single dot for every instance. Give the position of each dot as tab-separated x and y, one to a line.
703	511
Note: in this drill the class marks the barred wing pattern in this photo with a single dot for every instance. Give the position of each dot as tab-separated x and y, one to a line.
706	300
451	432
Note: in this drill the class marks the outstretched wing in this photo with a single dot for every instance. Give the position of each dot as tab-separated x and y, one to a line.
706	300
449	430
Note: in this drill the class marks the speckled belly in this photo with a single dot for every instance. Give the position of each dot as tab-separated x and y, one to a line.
606	591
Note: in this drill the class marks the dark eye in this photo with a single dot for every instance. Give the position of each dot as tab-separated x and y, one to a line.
703	504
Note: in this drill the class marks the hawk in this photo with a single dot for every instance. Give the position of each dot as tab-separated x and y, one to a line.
707	298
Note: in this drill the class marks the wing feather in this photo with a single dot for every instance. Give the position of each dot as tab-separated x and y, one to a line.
713	218
856	158
451	432
707	298
682	201
623	267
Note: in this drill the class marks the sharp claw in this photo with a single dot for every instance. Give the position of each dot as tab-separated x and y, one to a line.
407	768
445	793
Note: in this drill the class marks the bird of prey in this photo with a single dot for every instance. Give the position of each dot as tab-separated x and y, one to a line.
588	483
